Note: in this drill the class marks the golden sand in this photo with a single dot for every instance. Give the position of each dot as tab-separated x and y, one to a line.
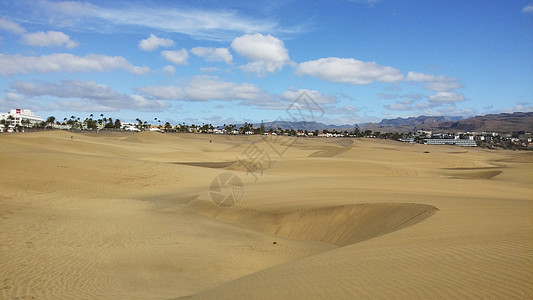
129	216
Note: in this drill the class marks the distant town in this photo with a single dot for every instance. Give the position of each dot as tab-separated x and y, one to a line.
24	120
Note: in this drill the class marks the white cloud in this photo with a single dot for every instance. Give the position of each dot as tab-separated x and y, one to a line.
450	110
405	105
209	88
12	100
446	97
10	96
388	96
65	62
217	24
348	70
213	54
153	42
169	92
259	47
205	88
49	38
65	89
74	8
169	70
11	26
314	95
520	107
443	85
350	108
528	8
209	69
420	77
178	57
437	83
265	53
398	107
443	100
413	96
86	95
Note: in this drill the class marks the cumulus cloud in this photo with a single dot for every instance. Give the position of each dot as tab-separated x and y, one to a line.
521	107
10	96
205	88
65	89
178	57
437	83
528	9
211	88
265	53
388	96
209	69
348	70
65	62
85	95
47	39
153	42
11	100
313	95
169	70
404	105
213	54
412	96
11	26
446	97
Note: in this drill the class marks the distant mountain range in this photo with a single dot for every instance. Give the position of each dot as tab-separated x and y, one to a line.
502	123
310	126
416	121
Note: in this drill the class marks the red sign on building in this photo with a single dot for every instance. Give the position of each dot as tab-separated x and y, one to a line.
18	110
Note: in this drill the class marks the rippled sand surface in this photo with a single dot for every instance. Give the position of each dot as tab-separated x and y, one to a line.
131	216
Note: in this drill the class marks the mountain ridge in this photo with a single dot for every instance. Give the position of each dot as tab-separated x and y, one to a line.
502	123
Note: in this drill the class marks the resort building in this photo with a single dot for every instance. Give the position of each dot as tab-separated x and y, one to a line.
457	142
20	117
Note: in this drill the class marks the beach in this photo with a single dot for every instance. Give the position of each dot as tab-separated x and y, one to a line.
135	216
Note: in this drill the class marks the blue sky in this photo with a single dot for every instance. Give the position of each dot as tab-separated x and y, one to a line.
234	61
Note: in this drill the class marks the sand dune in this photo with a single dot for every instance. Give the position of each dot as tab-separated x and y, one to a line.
338	225
129	216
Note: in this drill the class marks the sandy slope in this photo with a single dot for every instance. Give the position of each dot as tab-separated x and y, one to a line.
130	217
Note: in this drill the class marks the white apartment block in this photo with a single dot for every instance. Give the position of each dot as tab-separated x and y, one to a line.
19	118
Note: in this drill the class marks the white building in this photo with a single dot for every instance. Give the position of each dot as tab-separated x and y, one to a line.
457	142
21	117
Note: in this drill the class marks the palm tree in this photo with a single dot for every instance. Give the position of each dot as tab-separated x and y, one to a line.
4	122
10	118
26	122
50	120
